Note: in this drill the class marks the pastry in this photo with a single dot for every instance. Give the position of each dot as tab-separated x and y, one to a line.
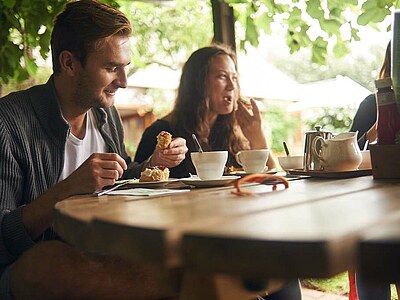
159	173
164	138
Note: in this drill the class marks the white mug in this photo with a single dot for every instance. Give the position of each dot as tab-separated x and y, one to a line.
253	161
209	165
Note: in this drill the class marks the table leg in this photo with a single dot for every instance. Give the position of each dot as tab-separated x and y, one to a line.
197	286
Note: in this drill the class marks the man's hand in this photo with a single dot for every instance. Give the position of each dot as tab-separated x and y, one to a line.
98	171
172	156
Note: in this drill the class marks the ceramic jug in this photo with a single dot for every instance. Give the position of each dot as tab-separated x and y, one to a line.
341	153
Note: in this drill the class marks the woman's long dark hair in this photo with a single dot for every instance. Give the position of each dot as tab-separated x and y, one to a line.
190	113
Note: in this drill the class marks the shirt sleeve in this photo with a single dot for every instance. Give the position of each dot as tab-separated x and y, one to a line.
14	239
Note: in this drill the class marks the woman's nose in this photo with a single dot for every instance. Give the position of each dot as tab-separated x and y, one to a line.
231	83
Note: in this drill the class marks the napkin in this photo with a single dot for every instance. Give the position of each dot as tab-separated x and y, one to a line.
146	192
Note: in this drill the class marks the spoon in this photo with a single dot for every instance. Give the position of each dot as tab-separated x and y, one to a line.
286	149
365	145
196	141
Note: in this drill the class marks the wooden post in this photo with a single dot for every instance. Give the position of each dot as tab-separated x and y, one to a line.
224	23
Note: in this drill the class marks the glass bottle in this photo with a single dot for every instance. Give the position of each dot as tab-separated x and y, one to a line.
388	127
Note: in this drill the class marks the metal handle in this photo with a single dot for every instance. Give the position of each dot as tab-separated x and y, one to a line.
314	147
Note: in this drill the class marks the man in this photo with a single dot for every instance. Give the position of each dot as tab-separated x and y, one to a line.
65	138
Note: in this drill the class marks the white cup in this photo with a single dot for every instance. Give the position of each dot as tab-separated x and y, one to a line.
366	160
253	161
209	165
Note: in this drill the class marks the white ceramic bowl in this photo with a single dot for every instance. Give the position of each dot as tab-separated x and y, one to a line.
291	162
366	160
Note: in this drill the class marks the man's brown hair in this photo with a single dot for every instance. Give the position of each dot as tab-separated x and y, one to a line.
83	26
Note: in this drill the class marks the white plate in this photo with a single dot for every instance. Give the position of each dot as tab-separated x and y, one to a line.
196	181
135	183
243	173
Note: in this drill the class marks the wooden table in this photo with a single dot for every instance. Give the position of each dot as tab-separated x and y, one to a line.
379	258
311	229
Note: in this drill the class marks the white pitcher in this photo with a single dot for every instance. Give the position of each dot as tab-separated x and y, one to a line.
341	153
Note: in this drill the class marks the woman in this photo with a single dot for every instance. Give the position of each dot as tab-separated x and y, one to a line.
208	105
365	119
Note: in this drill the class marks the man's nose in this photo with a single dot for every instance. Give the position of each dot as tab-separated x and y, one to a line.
122	78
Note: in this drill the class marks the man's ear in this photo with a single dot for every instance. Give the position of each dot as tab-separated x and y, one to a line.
68	63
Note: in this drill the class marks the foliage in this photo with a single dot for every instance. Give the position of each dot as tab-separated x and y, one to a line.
281	125
335	119
338	284
167	34
360	67
163	33
300	18
25	28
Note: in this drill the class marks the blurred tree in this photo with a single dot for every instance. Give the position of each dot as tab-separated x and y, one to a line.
167	33
163	33
25	30
25	27
282	126
338	22
335	119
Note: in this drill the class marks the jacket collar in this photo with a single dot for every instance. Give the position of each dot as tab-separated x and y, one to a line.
45	104
47	109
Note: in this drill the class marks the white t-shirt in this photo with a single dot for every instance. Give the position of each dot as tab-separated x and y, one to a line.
77	150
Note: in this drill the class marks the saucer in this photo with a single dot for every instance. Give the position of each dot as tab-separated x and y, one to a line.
135	183
331	174
243	173
196	181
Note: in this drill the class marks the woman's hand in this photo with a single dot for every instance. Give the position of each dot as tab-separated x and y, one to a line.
250	122
172	156
372	133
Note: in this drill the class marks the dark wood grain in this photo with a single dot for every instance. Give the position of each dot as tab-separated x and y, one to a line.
379	251
309	230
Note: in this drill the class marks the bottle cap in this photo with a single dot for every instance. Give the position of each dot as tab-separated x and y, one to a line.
382	83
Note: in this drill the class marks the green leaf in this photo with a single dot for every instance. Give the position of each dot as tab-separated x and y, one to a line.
31	66
22	75
9	3
251	32
281	8
236	1
314	9
264	22
319	51
341	49
331	26
44	43
354	34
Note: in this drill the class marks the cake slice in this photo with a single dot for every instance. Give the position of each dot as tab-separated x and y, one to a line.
164	138
158	173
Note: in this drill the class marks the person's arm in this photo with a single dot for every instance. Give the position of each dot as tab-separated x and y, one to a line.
98	171
22	225
364	120
147	149
14	238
